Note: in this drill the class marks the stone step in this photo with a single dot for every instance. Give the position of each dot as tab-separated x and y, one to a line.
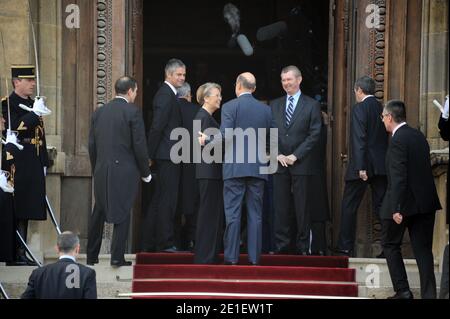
372	276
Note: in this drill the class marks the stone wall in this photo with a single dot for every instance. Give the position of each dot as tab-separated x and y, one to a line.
434	80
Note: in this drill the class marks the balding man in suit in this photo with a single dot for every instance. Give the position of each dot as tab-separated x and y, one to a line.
243	176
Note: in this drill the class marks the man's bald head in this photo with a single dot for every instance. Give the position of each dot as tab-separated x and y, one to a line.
248	81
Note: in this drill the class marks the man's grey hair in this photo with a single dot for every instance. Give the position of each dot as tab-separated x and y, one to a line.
397	109
67	242
184	90
294	69
172	65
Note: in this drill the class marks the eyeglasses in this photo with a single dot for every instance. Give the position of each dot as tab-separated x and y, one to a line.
383	115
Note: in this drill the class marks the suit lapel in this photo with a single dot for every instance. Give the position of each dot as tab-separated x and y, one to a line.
280	112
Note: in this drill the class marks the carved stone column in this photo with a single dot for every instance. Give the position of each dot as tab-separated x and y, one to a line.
110	61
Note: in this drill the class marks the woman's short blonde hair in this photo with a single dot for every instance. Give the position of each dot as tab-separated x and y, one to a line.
205	91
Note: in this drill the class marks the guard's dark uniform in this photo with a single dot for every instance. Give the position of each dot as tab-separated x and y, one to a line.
29	180
7	223
28	169
29	194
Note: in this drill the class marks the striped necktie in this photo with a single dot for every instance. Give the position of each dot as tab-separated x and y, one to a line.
290	110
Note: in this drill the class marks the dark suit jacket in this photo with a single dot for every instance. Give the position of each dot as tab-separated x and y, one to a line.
119	157
166	117
301	136
444	130
50	282
207	170
368	140
411	189
245	112
29	162
188	195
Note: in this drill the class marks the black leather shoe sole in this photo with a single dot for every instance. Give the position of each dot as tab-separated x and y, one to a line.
120	263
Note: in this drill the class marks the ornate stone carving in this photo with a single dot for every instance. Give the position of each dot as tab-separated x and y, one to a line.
103	77
103	52
376	56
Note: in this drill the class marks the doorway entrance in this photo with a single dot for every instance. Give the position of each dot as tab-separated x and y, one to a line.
203	35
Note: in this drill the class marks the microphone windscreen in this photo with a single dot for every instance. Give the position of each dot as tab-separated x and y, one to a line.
245	45
271	31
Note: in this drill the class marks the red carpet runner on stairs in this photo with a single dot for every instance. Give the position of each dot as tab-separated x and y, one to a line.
168	276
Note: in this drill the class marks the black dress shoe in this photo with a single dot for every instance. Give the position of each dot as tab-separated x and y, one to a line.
302	253
231	263
381	255
253	264
92	262
24	261
282	251
172	249
406	294
318	253
16	263
120	263
342	252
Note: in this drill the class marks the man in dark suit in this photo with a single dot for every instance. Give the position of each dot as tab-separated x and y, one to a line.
444	130
411	202
160	218
119	157
189	193
244	167
368	144
31	163
65	279
299	122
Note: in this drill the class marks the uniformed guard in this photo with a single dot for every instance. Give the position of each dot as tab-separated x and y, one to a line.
7	224
30	164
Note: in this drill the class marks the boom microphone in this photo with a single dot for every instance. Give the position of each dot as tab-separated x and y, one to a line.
271	31
245	45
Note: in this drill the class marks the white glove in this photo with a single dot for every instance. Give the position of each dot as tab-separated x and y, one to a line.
4	183
45	170
39	107
147	179
445	114
11	138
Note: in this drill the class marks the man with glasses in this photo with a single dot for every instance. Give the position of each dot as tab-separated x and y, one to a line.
411	202
368	144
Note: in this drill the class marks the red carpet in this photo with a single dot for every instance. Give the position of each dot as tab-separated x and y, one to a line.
174	276
266	260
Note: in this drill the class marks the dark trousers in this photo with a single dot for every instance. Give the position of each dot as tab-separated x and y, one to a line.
268	236
160	218
420	228
318	240
284	186
235	191
95	232
22	228
444	280
208	239
353	194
